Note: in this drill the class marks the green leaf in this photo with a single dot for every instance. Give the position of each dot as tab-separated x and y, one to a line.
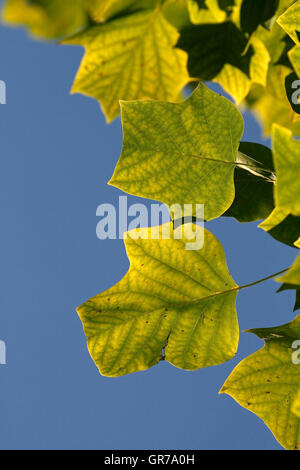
256	12
284	287
130	58
173	304
290	21
287	231
268	382
50	19
293	274
102	10
205	11
294	56
253	191
182	153
286	153
216	53
270	110
296	405
291	280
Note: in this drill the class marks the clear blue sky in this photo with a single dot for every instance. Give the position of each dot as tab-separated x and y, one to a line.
57	154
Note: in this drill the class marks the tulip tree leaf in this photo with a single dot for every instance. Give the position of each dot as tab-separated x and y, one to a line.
296	405
132	57
291	280
294	56
286	152
46	19
268	382
256	12
270	110
225	63
181	153
102	10
290	21
173	304
253	191
287	231
292	287
206	11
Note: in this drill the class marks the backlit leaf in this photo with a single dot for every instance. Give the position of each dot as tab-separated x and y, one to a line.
224	61
290	21
102	10
182	153
173	304
286	151
205	11
132	57
294	55
260	204
268	382
256	12
291	280
296	405
48	19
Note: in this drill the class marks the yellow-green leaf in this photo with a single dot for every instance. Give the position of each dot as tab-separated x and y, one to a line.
132	57
173	304
294	55
286	151
102	10
296	405
268	382
205	11
183	153
270	110
225	63
48	19
291	280
293	274
290	21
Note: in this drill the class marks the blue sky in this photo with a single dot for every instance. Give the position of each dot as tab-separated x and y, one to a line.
57	154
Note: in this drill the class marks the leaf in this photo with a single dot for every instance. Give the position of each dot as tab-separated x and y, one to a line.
291	280
256	12
253	192
293	274
287	231
284	287
173	304
102	10
130	58
286	153
267	382
290	21
296	405
176	12
224	62
205	11
270	110
181	153
294	56
48	20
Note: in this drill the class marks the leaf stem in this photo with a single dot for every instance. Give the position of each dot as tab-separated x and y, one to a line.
263	279
245	286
